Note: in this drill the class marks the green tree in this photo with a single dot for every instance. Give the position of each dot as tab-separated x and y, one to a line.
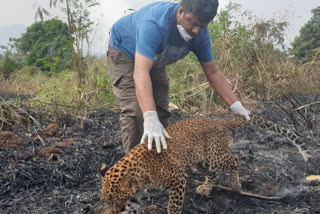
46	45
309	37
80	29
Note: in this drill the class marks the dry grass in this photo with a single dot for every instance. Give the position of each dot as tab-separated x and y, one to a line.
10	116
269	77
256	75
24	82
63	92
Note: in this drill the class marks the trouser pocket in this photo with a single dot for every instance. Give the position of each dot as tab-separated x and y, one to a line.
119	64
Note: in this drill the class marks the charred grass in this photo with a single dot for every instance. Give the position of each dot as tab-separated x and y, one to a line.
54	166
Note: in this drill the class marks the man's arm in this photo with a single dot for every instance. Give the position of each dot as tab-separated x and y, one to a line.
142	80
219	83
152	128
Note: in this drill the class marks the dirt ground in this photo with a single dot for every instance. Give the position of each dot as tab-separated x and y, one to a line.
55	170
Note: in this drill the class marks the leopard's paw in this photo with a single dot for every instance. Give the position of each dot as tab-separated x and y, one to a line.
204	190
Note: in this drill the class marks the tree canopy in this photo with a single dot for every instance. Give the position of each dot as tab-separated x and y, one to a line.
46	45
309	37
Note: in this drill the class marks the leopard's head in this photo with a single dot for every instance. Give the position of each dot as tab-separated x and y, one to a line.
117	192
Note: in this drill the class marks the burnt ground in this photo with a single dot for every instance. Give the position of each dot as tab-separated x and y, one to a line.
67	181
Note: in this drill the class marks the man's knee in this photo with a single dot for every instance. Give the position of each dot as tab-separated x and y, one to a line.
131	131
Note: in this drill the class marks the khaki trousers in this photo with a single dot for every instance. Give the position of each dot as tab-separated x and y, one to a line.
120	68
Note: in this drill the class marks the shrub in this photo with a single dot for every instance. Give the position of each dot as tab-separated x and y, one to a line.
8	65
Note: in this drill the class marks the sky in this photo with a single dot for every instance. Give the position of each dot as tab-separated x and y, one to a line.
16	15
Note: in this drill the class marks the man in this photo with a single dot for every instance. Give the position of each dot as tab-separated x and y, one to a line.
141	45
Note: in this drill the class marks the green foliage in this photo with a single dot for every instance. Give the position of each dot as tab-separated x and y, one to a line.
30	72
104	86
80	30
8	65
309	38
58	91
46	45
62	91
88	86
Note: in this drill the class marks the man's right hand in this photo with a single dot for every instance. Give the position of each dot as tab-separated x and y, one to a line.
153	130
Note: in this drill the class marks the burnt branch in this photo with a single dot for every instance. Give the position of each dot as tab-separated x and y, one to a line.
302	115
247	194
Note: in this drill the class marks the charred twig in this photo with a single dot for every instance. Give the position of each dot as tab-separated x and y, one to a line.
38	136
307	105
310	123
251	195
292	97
296	123
290	114
30	116
306	116
285	110
295	103
294	106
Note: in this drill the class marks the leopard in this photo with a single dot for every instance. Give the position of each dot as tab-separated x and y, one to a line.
201	142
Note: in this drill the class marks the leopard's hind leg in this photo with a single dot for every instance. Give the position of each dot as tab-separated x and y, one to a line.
220	158
233	167
226	162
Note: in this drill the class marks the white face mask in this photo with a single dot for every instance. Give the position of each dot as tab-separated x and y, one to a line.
183	33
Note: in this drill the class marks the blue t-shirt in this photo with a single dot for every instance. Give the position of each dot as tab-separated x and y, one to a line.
152	32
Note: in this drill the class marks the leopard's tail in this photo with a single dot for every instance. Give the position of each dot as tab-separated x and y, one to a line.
292	136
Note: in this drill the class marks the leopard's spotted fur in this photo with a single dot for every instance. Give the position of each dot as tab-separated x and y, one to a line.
197	142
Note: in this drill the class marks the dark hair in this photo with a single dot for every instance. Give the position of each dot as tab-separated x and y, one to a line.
204	10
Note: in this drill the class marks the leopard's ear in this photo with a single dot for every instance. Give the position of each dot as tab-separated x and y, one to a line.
102	170
128	183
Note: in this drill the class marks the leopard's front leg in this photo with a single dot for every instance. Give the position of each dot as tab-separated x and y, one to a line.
176	196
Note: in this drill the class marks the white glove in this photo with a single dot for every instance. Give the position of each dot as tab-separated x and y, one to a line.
239	109
153	129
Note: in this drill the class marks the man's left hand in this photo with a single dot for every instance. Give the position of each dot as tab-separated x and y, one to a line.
239	109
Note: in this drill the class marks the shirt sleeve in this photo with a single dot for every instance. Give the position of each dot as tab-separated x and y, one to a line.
148	39
202	46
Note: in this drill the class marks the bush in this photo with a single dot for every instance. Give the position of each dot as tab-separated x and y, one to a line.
8	65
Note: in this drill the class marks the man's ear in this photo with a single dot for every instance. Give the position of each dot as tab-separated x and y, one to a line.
180	10
127	183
